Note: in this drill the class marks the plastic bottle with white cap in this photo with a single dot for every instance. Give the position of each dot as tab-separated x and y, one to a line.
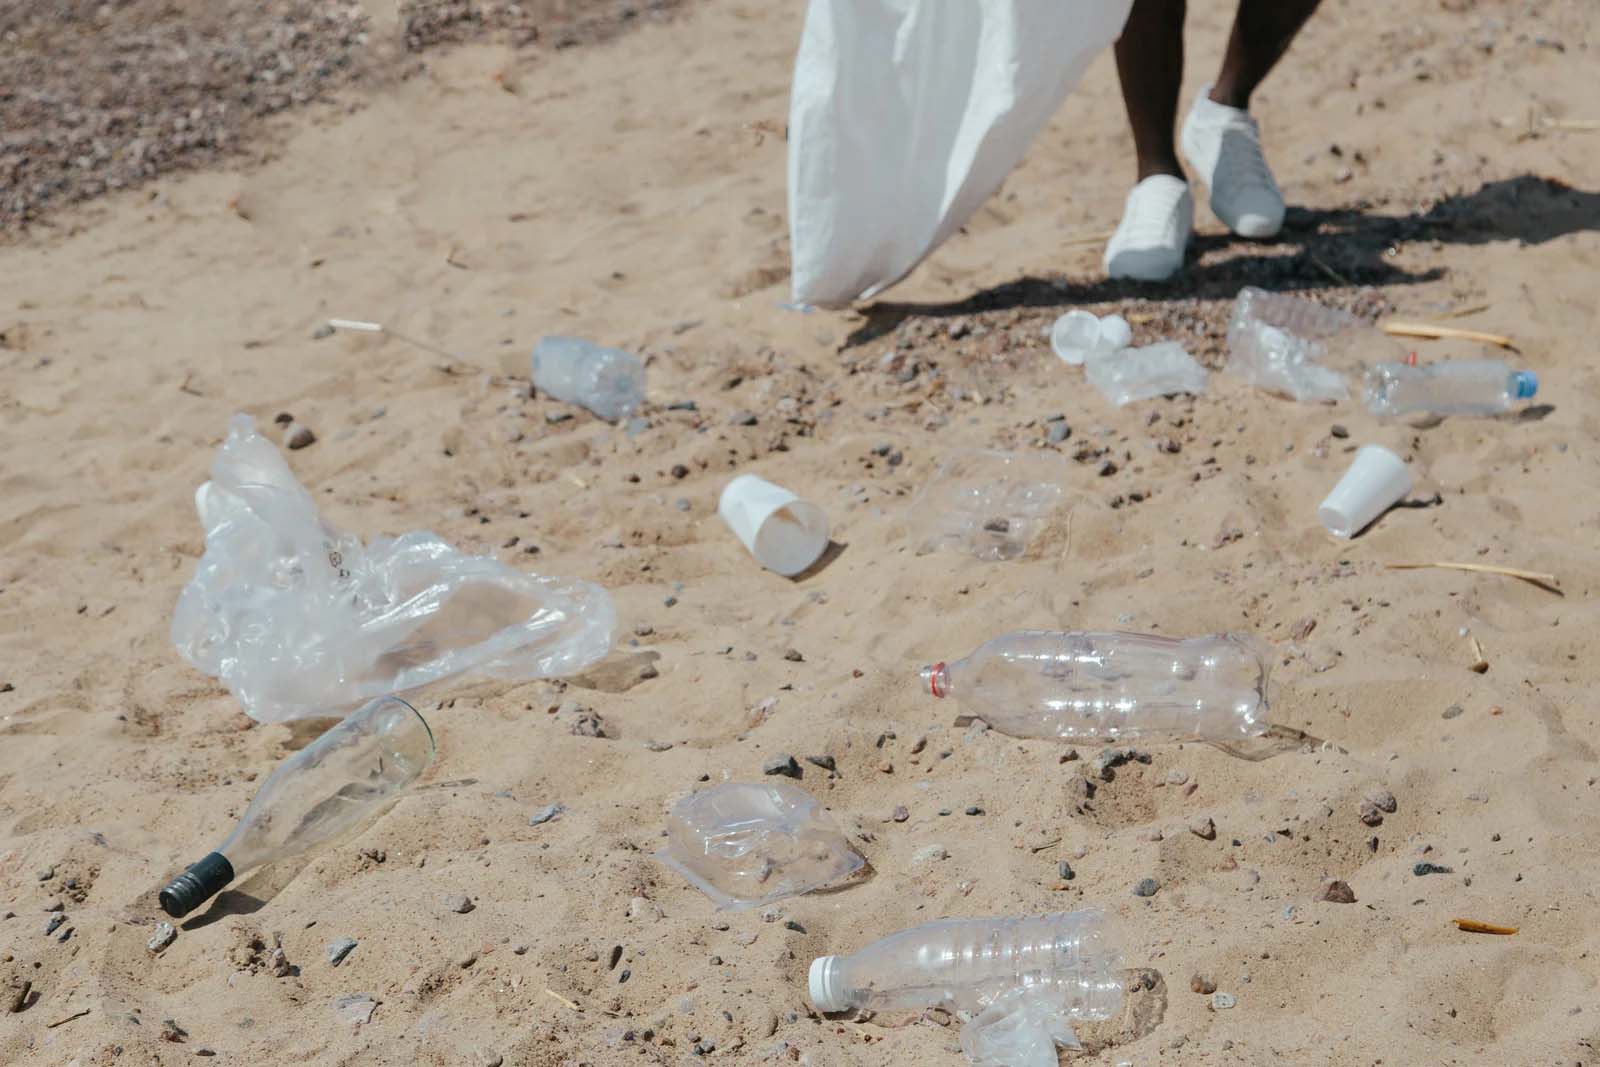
966	964
1376	481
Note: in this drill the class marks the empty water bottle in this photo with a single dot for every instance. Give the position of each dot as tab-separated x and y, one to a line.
1131	374
607	381
968	964
1281	344
1081	335
1460	387
988	504
1111	686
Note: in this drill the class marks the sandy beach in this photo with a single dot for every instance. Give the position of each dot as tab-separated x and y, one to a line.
622	179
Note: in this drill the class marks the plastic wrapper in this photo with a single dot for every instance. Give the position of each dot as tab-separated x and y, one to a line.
745	844
987	504
299	620
1020	1028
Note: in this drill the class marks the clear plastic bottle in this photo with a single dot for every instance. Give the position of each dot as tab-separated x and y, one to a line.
1458	387
966	964
1111	686
1280	343
607	381
341	778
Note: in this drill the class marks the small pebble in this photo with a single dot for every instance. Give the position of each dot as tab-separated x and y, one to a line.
1057	431
680	471
643	629
1453	710
743	418
458	903
338	950
1370	814
1065	872
1203	827
520	950
1202	984
930	854
1177	777
1339	431
901	814
1223	1001
1146	887
658	746
793	656
298	436
1383	800
973	809
355	1008
548	813
783	764
46	874
322	332
490	1058
54	924
1337	892
1430	868
827	763
164	936
467	959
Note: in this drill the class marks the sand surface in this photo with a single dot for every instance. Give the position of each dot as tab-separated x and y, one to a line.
632	191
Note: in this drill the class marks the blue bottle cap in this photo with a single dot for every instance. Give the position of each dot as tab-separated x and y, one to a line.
1526	383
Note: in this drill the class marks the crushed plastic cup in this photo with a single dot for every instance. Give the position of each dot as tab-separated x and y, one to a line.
744	844
784	533
1375	482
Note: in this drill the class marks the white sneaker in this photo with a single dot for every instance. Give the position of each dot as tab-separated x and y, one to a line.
1156	222
1223	145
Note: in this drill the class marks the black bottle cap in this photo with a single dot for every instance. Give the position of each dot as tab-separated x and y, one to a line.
195	886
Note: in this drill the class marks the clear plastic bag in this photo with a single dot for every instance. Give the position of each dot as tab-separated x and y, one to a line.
298	619
987	504
744	844
1020	1029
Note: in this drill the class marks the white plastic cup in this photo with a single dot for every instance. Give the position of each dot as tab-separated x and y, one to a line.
1376	481
784	533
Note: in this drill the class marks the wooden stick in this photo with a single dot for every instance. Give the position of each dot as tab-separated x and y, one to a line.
1473	926
1479	665
1571	124
1435	333
68	1019
1461	313
1545	581
557	996
1087	239
1330	272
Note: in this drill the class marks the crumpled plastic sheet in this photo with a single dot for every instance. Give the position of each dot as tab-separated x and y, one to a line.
744	844
300	620
1020	1028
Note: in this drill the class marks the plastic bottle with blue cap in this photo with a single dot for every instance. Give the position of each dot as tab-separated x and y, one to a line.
1457	387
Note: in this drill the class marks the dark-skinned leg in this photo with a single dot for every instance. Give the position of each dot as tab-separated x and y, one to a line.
1150	67
1262	33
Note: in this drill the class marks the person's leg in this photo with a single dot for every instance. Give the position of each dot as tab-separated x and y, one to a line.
1262	33
1159	213
1150	67
1221	140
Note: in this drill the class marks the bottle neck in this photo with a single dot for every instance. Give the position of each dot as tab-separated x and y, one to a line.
936	680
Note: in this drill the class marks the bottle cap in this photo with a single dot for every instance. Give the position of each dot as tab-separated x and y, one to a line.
1377	479
823	995
195	886
1115	333
1526	384
784	533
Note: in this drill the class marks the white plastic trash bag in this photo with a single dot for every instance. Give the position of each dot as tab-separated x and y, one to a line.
298	620
906	115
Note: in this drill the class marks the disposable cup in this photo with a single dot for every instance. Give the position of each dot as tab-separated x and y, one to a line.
1375	482
784	533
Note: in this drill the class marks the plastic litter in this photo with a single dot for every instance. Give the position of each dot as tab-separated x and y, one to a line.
988	504
1131	374
1459	387
1281	344
606	381
1111	686
326	788
972	964
298	619
1022	1028
1080	335
905	116
783	532
1376	481
745	844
